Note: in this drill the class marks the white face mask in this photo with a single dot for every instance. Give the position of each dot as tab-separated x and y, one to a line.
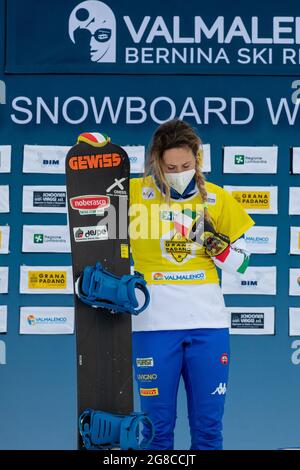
179	181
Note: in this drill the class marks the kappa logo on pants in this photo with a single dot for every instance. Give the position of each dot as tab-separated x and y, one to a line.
220	390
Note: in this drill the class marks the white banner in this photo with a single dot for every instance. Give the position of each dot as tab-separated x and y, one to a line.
294	281
46	280
44	199
295	241
44	158
3	318
250	159
256	280
4	239
252	320
261	239
51	158
46	320
136	154
294	201
5	158
46	239
4	198
206	158
296	160
294	323
3	279
256	199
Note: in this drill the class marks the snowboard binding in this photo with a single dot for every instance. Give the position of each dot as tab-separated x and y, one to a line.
99	288
101	430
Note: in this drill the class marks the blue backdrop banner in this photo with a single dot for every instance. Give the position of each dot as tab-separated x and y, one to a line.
155	37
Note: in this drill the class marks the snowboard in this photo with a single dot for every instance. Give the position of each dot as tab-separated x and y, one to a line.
97	180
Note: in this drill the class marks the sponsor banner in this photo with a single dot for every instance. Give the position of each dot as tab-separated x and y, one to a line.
294	323
261	239
4	198
256	280
206	158
178	276
90	204
5	158
252	320
44	199
295	241
46	280
136	154
51	158
46	320
294	201
256	199
250	159
111	37
296	160
46	239
3	318
3	279
90	234
4	239
44	158
294	281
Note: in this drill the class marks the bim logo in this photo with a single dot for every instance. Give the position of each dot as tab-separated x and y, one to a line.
99	20
249	283
50	162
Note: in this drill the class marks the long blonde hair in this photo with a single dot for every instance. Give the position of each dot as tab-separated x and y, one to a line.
174	134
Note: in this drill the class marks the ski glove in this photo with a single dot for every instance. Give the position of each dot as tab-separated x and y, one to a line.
203	232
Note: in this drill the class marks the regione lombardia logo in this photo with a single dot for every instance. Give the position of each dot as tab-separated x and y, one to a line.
99	19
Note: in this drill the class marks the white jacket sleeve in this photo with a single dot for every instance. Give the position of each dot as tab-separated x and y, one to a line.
235	259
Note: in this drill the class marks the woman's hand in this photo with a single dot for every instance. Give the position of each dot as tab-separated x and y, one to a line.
204	233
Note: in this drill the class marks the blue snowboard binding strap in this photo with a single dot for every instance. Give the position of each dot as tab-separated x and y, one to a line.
99	288
101	430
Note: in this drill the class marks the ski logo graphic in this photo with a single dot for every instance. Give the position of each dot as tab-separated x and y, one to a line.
117	187
148	193
90	204
220	390
89	162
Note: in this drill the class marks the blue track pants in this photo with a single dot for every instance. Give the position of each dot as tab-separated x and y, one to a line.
201	357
